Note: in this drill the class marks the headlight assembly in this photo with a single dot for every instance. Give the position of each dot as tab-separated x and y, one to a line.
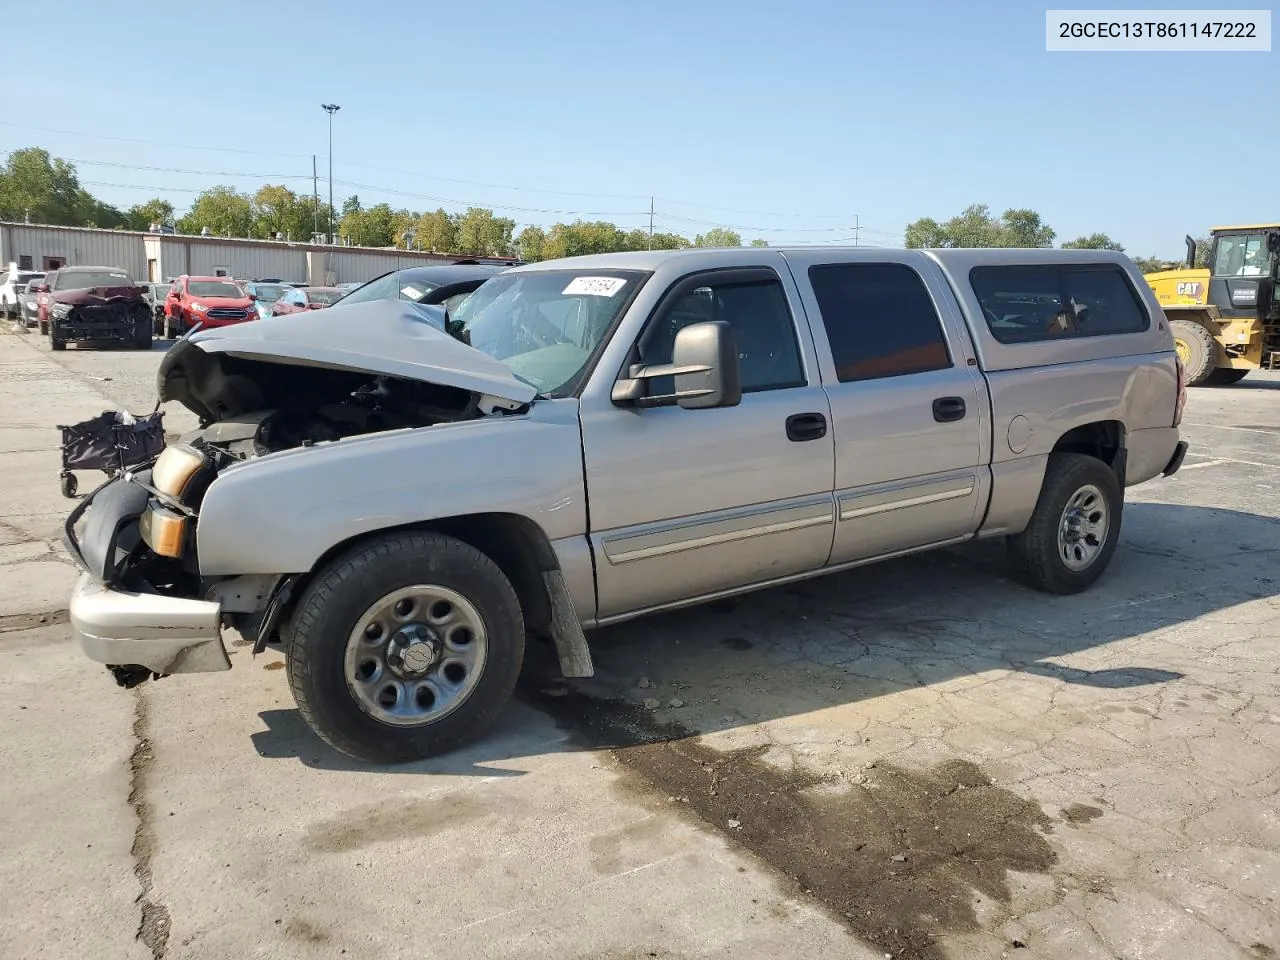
60	310
180	471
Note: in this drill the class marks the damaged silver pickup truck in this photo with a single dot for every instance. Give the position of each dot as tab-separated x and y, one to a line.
398	497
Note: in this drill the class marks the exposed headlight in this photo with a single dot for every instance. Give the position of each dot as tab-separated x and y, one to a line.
60	309
199	307
175	469
162	529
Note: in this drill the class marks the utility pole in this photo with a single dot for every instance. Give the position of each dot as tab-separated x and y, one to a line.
315	200
857	229
650	223
330	109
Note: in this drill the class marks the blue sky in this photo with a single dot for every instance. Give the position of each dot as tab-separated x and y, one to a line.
783	121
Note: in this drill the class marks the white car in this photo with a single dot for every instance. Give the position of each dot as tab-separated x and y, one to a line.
15	282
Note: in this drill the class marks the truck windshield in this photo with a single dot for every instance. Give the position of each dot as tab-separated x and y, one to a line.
545	325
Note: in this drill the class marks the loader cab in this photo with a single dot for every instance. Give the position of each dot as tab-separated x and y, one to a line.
1244	263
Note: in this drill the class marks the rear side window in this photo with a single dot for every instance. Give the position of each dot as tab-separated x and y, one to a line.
1032	304
880	320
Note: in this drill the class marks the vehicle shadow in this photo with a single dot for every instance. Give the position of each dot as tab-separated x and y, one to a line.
1251	383
855	636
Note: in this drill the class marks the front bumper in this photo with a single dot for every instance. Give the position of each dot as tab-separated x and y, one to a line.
122	627
163	634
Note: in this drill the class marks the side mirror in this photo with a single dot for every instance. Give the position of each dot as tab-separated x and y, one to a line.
253	296
37	288
704	363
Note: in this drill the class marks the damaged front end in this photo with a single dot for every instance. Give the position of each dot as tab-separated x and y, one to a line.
142	605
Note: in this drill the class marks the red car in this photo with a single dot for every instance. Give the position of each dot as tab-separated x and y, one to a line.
306	298
209	301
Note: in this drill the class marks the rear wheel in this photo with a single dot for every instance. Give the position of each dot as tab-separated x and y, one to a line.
43	326
406	646
1073	531
1197	349
1225	375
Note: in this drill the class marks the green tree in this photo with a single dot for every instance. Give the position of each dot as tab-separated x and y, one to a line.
1204	246
1094	241
718	237
47	190
224	211
531	243
437	232
277	209
374	227
142	215
976	227
759	243
483	234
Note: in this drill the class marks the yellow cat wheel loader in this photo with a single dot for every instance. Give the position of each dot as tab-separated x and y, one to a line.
1225	318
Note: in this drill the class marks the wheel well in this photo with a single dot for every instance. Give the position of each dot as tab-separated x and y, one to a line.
515	543
1103	439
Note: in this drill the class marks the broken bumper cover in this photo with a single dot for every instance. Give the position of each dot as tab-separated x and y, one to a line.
163	634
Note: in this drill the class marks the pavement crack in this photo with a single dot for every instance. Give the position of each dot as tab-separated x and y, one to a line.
154	923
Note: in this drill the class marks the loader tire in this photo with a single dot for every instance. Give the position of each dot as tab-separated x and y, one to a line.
1224	376
1197	348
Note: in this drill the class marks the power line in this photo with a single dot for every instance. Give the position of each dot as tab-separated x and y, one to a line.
151	143
405	173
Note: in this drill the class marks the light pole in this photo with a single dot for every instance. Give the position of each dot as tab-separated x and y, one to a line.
330	109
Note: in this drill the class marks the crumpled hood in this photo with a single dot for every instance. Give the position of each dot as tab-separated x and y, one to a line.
391	338
89	296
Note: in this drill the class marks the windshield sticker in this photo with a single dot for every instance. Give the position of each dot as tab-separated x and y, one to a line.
594	286
411	293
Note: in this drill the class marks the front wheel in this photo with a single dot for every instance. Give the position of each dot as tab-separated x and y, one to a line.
142	330
55	340
43	327
406	646
1073	531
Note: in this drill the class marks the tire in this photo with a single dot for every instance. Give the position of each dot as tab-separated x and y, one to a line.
1037	555
1224	376
55	341
69	485
43	326
143	331
342	596
1198	349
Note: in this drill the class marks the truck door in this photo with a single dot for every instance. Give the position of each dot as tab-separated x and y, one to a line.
685	503
908	406
1240	260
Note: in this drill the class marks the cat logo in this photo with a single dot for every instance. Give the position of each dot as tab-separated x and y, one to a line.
1191	289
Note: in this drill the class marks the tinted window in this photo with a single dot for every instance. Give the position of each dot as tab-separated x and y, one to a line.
85	279
1240	255
768	354
214	288
382	288
1027	304
880	320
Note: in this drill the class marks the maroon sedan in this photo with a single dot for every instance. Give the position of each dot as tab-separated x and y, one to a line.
306	298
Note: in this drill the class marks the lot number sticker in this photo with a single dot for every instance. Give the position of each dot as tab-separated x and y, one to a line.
594	286
411	293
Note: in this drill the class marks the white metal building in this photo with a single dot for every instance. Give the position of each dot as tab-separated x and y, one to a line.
159	257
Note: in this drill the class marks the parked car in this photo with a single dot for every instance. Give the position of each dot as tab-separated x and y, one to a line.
209	301
265	294
677	426
94	304
447	284
29	300
300	300
155	295
41	290
15	281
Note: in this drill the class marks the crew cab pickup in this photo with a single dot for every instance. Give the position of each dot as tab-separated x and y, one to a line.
397	495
